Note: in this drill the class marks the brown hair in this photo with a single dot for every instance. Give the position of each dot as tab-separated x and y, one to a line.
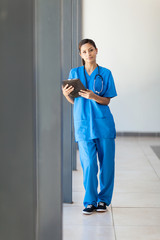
84	41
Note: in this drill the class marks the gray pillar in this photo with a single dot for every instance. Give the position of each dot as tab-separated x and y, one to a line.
76	60
30	121
71	32
67	109
48	69
17	122
79	27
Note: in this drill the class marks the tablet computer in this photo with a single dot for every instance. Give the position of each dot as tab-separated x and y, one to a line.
77	84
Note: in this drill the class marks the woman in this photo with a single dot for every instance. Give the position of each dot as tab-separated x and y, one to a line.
94	127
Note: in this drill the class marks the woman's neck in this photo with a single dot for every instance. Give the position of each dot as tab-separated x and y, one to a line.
90	67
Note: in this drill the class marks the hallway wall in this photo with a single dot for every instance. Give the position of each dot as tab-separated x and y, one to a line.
127	34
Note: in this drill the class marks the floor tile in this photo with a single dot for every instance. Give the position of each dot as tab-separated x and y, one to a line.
138	164
136	216
74	216
77	181
136	175
79	232
137	233
136	200
143	186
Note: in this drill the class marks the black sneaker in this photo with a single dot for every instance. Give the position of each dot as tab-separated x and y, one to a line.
102	207
89	209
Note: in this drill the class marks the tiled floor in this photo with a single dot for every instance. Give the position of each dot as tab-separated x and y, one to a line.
135	210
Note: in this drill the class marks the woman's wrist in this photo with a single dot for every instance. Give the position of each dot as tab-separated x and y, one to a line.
71	100
95	97
101	100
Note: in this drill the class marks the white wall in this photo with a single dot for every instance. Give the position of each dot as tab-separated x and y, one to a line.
127	34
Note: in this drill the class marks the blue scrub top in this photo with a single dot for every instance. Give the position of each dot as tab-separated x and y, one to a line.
91	119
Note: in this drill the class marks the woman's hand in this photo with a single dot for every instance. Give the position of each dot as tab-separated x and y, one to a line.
87	94
67	90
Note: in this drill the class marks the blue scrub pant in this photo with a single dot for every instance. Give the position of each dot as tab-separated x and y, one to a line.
88	150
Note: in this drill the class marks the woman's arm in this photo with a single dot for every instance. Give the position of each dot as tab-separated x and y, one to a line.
66	91
91	95
101	100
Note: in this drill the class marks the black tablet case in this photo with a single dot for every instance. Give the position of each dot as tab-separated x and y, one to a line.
77	84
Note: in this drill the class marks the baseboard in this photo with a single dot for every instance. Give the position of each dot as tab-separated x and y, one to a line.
138	134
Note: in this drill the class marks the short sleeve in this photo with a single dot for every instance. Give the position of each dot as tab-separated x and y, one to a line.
73	73
70	74
110	88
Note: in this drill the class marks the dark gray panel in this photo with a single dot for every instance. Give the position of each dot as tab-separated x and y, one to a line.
76	31
79	28
156	150
17	137
76	60
74	64
48	40
66	109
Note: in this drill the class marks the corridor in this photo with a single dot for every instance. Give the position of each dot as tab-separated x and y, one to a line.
135	210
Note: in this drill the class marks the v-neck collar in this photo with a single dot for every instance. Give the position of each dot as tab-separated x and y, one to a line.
91	72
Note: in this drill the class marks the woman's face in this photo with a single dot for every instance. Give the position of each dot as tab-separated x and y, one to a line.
88	53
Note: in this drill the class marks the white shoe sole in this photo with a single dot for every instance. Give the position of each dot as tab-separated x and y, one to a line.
87	213
101	210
